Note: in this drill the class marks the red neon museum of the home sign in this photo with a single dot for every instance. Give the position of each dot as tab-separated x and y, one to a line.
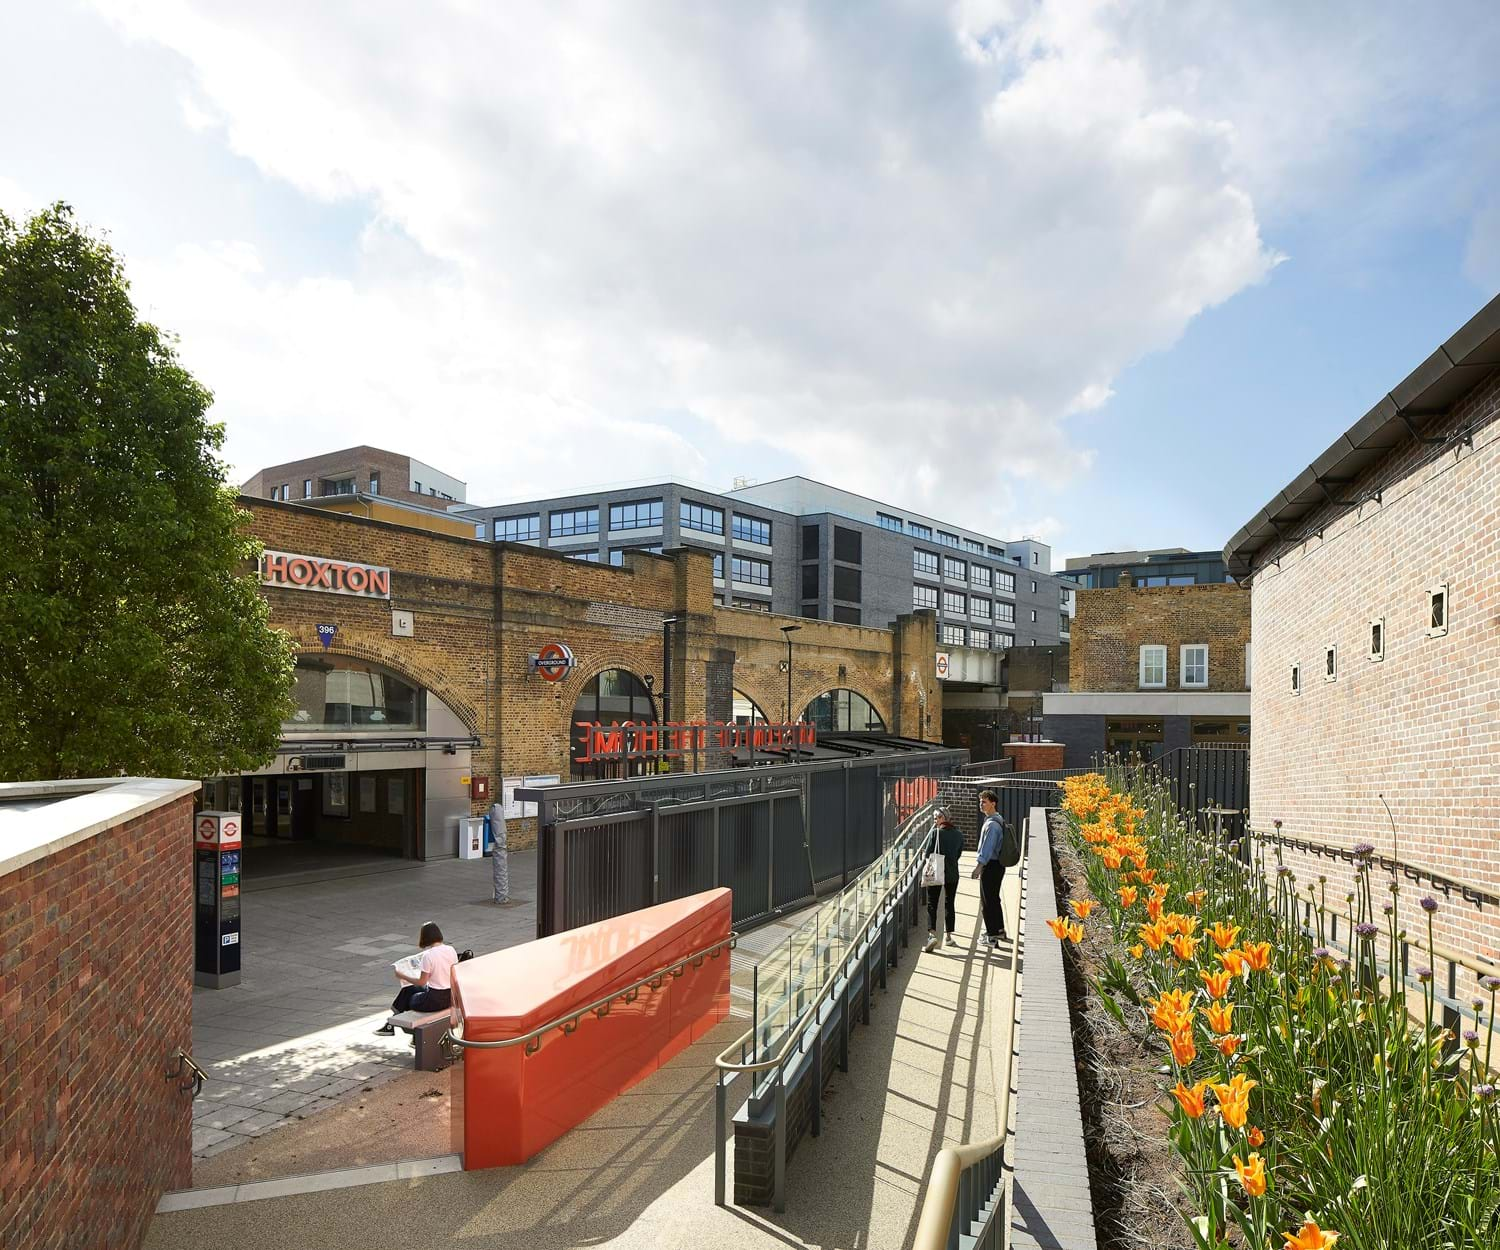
597	741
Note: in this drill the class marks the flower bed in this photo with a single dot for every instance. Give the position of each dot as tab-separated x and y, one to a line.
1310	1101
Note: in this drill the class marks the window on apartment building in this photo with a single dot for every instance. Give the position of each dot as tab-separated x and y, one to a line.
888	522
1296	679
307	488
1033	616
846	583
588	557
920	531
572	522
980	638
719	566
1153	675
1194	674
1437	610
924	562
947	539
417	486
971	545
844	615
756	572
749	529
1064	623
1331	662
809	542
699	516
848	545
374	483
810	588
636	515
955	602
1005	582
953	635
1377	638
810	611
924	597
979	574
1005	612
1006	641
518	529
980	608
754	605
1035	558
998	552
956	569
1033	585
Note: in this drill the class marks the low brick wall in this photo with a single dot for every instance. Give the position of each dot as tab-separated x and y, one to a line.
1029	756
96	993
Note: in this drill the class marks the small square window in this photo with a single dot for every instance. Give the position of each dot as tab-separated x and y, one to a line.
1437	610
1331	662
1296	679
1377	638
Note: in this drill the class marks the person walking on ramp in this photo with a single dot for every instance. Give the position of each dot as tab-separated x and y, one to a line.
947	843
991	868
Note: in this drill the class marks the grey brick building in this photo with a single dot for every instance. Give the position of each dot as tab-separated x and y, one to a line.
803	548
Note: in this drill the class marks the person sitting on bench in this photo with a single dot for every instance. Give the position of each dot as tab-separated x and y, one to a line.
432	989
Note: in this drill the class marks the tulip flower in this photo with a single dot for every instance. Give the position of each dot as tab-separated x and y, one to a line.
1183	947
1234	1099
1255	1137
1111	858
1195	899
1059	926
1233	961
1183	1049
1310	1238
1216	983
1220	1017
1252	1174
1075	933
1257	955
1191	1100
1153	935
1082	907
1128	895
1147	875
1138	951
1227	1044
1224	935
1153	908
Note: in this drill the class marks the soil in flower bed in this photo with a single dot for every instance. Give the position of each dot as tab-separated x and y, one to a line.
1133	1171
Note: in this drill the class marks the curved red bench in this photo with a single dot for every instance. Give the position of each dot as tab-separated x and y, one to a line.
508	1104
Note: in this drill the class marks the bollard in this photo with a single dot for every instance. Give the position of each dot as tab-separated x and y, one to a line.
499	861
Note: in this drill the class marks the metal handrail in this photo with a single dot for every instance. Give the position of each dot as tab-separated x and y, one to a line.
935	1227
188	1067
599	1007
810	1014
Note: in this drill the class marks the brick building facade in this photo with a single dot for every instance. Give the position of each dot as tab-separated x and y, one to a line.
1154	668
356	470
96	981
476	613
1406	712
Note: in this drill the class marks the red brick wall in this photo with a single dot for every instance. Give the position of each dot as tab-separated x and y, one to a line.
1113	624
96	991
1032	756
1421	726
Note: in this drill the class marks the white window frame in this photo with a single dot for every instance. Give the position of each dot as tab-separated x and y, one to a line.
1154	648
1439	631
1378	653
1182	666
1296	679
1331	653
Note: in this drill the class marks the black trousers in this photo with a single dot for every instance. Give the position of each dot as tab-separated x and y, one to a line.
421	998
990	877
950	888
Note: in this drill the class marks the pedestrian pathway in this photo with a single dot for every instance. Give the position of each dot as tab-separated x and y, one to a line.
640	1172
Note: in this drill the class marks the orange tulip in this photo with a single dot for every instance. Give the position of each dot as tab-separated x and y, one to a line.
1176	922
1183	947
1153	908
1183	1049
1227	1044
1082	907
1233	961
1059	926
1257	955
1111	858
1160	890
1310	1238
1224	935
1220	1016
1147	875
1255	1137
1171	1003
1234	1099
1195	899
1191	1100
1252	1174
1137	951
1153	935
1216	983
1075	933
1128	895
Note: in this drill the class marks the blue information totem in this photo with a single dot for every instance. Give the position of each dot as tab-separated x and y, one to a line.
216	894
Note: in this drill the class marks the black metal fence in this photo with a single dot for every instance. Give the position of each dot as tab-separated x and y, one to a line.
777	836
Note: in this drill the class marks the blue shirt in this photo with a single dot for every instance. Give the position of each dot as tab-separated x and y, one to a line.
989	838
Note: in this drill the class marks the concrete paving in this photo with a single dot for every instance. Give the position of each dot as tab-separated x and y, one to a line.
640	1172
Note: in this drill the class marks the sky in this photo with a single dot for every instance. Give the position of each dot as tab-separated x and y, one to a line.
1109	274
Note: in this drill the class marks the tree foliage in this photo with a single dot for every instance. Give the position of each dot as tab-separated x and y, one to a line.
132	635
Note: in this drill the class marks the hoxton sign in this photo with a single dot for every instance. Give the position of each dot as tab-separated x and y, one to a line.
337	577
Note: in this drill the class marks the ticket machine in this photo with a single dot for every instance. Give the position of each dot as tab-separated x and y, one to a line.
216	894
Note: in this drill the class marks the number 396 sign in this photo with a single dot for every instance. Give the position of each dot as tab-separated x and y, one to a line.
553	662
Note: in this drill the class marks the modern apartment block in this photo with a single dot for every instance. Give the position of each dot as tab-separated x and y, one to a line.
1163	566
357	471
803	548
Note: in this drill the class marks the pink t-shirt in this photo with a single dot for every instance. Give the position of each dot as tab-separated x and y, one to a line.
437	963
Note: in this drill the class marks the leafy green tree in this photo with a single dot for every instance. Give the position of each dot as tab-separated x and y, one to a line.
132	636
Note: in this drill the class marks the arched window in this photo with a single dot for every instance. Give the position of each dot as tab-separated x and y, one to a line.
612	698
337	692
747	711
843	711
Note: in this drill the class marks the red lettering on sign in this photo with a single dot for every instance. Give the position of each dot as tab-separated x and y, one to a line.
355	579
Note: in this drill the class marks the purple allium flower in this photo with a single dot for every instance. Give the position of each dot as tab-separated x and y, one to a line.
1283	871
1424	975
1388	908
1471	1038
1490	983
1364	849
1484	1092
1366	929
1429	903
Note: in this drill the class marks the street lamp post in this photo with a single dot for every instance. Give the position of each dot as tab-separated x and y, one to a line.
786	632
